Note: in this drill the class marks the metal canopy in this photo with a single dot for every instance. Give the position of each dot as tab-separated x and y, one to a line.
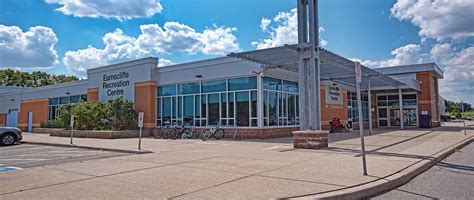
333	67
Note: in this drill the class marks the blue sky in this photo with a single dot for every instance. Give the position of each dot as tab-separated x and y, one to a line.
67	37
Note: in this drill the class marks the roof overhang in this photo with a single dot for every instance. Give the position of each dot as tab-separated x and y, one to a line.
332	66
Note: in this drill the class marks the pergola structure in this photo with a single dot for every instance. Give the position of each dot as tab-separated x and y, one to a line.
333	67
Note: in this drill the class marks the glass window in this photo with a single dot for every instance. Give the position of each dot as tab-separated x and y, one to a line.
214	86
188	109
254	103
213	103
289	86
84	97
167	110
242	101
190	88
63	100
243	83
75	99
272	110
167	90
271	83
53	101
197	105
231	109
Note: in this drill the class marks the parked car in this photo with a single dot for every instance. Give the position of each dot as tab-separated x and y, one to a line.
10	135
470	118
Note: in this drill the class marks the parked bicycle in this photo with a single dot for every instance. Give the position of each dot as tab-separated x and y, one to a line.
215	131
188	133
162	132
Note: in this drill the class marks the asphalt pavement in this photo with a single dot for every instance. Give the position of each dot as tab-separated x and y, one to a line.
27	156
452	178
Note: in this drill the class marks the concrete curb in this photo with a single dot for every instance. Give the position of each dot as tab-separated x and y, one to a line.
392	181
89	147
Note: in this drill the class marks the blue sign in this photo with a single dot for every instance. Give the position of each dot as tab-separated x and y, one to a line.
5	169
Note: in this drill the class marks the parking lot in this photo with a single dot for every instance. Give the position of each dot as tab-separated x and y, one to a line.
27	156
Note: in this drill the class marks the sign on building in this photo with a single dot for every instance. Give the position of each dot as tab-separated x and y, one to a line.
118	80
334	94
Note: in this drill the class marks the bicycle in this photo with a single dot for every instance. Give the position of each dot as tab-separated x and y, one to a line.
161	131
188	133
215	131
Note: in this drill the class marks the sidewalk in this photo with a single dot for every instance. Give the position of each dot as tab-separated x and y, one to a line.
192	169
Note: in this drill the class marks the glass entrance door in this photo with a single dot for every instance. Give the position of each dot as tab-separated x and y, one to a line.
383	117
409	117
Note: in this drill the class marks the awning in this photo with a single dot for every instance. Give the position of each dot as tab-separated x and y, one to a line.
333	67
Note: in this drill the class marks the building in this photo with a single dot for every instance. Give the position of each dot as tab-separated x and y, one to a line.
261	101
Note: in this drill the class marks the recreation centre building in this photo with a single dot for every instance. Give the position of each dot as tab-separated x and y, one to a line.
239	90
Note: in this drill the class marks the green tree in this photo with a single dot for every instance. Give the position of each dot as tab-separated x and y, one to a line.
9	77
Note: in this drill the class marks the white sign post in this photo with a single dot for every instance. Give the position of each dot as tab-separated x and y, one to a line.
71	122
140	125
358	74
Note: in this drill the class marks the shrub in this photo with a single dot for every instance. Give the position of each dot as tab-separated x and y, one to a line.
53	124
115	114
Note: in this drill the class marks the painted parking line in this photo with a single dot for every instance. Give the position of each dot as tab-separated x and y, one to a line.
6	169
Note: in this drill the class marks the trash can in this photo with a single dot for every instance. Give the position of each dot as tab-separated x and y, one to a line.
425	121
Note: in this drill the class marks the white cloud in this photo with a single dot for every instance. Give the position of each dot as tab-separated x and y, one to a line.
173	37
177	37
164	62
264	23
408	54
438	19
119	10
33	48
284	30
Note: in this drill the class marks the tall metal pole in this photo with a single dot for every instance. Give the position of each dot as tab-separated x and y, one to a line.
361	129
369	99
358	71
400	101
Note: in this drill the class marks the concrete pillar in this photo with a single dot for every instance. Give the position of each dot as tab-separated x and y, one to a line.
400	101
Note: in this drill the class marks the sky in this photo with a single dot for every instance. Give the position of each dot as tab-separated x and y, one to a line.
71	36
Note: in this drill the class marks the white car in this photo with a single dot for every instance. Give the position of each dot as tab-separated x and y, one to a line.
470	118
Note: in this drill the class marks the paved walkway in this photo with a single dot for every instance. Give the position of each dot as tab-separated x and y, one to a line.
260	169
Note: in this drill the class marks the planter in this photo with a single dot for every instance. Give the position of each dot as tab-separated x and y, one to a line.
47	130
310	139
101	134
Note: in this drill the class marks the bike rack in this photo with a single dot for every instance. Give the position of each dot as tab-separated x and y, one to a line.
235	133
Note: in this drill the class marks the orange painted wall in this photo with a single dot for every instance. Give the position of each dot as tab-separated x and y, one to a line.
328	111
3	119
145	101
39	107
92	94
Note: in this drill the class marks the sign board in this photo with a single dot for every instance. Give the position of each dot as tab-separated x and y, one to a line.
119	80
71	122
358	72
334	94
140	119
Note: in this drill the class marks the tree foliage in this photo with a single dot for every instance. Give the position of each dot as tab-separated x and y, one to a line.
9	77
115	114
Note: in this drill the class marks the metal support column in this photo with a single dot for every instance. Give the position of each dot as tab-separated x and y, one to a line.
369	99
400	101
260	111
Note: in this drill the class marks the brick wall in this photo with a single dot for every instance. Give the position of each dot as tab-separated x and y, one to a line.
145	101
425	99
254	133
328	111
39	107
92	94
3	119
